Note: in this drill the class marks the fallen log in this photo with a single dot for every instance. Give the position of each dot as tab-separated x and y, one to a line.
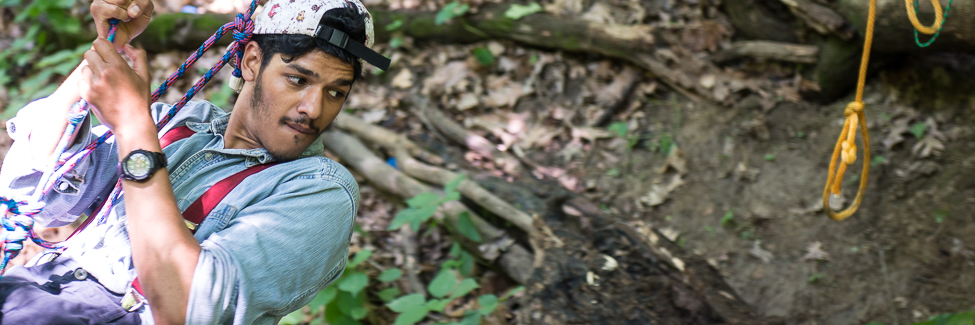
893	32
768	50
630	43
514	260
387	139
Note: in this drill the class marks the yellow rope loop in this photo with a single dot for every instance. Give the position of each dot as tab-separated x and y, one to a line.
912	15
845	151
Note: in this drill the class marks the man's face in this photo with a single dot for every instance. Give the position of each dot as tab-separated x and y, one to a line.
294	101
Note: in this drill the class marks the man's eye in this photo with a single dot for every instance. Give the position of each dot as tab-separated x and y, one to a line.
297	80
335	93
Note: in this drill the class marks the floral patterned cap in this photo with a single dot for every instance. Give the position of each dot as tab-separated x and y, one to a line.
302	17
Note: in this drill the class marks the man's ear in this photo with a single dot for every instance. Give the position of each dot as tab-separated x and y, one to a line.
251	64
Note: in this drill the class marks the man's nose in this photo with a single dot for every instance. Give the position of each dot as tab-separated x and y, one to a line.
311	104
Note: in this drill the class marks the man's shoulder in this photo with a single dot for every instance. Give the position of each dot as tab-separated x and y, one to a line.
323	169
194	111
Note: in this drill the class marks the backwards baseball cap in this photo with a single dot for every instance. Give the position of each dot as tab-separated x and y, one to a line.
303	17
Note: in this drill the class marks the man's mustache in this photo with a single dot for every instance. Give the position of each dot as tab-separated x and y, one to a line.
302	120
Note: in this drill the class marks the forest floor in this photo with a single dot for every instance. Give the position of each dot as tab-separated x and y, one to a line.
740	185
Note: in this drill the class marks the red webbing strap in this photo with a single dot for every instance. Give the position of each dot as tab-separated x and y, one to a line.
176	134
200	208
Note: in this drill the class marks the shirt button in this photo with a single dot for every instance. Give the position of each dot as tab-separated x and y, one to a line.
208	156
63	186
80	274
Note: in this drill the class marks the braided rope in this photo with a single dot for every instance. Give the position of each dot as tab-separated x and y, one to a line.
17	225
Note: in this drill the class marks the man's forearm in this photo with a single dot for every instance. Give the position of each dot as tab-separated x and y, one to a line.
163	249
44	137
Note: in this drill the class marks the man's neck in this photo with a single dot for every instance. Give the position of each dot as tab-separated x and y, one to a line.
237	136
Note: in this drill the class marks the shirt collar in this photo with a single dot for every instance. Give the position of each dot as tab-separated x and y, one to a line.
218	126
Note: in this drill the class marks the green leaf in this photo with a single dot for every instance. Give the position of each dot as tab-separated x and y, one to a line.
467	228
390	275
455	250
454	183
396	24
335	316
471	318
451	196
512	292
354	282
359	313
412	215
388	294
517	11
464	288
360	257
770	157
613	172
395	42
488	303
878	160
966	318
918	129
449	11
466	263
412	316
728	220
347	302
406	302
294	318
323	298
484	56
443	283
620	128
438	305
423	200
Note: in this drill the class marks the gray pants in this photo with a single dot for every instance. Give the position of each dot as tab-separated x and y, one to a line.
58	292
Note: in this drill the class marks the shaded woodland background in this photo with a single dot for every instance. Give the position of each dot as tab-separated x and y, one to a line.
626	161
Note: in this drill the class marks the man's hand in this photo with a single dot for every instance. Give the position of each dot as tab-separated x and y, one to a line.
119	94
134	16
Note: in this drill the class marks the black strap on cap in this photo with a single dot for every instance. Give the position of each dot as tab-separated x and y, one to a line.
341	39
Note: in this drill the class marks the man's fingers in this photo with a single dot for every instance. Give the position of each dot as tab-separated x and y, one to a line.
139	7
94	60
139	62
106	50
103	11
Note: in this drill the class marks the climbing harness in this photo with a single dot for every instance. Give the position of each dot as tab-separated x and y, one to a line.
18	223
845	151
935	27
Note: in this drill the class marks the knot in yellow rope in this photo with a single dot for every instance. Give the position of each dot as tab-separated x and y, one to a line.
845	152
848	146
912	15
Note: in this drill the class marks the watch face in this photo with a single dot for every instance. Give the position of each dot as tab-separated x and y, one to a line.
138	165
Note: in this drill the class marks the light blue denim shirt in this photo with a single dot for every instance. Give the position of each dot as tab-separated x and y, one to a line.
277	239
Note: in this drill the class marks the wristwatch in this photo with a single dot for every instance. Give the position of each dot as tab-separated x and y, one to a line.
140	164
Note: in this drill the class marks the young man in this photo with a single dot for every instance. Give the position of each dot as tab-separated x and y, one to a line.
265	250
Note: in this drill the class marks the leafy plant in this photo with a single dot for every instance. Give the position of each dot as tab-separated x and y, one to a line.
54	22
422	207
484	56
517	11
450	11
918	129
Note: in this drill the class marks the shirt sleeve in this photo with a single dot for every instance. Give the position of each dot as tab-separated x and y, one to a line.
276	255
74	193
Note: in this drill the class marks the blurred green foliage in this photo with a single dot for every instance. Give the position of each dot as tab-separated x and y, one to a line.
45	50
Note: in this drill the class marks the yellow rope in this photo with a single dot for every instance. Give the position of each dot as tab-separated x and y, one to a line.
912	15
845	152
